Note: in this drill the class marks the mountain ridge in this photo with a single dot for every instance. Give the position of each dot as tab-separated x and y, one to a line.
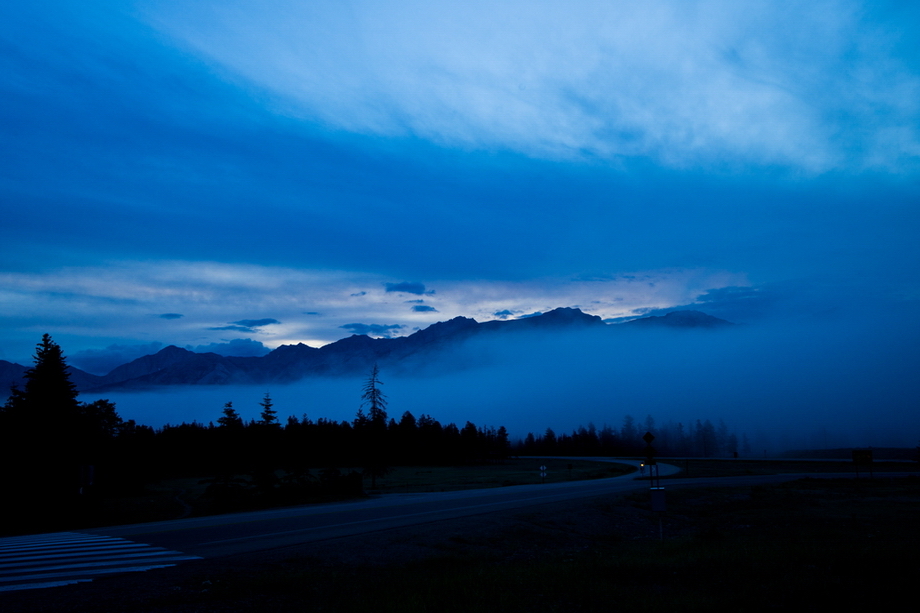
355	354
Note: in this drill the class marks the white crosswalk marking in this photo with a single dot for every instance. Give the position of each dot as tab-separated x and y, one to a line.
62	558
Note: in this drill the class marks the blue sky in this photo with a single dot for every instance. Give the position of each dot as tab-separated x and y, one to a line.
232	175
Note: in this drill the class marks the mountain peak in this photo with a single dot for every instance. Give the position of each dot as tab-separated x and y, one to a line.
172	352
569	315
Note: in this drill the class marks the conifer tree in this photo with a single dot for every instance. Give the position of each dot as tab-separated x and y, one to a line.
374	399
268	416
46	411
49	400
375	452
57	438
230	418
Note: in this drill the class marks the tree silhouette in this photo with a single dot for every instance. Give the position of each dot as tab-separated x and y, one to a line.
47	409
373	428
629	435
49	398
374	399
230	418
269	416
50	439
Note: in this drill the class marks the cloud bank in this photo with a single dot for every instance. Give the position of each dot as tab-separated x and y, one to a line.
115	301
710	84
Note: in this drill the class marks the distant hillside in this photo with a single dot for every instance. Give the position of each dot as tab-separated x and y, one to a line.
14	375
11	374
348	356
680	319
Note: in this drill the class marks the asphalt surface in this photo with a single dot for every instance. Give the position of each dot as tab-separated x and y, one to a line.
236	533
57	559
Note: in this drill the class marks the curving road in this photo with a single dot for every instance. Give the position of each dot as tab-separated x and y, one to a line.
235	533
224	535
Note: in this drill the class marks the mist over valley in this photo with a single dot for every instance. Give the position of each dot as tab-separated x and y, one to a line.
821	383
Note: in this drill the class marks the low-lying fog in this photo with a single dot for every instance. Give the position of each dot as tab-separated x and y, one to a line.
825	383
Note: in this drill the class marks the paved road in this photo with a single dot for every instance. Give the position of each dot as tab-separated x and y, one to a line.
48	560
223	535
257	531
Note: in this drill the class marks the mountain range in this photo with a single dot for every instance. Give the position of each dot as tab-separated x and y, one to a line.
349	356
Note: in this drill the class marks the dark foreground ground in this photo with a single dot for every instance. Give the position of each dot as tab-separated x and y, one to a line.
811	543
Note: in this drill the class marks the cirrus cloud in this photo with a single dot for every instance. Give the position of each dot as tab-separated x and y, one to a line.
712	83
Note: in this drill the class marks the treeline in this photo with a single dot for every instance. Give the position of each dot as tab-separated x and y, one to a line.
61	454
264	462
236	446
700	439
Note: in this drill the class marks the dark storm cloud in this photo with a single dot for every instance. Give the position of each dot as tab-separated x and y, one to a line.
238	347
233	329
407	287
385	331
503	314
424	308
102	361
170	315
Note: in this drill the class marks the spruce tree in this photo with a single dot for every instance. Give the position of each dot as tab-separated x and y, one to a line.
47	409
230	418
268	416
373	428
43	424
375	400
49	400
